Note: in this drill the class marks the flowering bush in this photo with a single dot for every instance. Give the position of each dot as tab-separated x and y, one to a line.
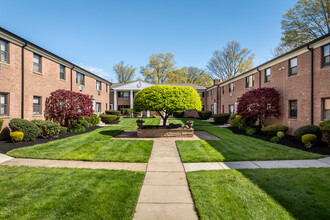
64	105
259	104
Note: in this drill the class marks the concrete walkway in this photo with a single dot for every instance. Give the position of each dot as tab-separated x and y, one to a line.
165	193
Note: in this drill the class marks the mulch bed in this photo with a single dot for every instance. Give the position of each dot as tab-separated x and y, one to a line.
7	145
288	140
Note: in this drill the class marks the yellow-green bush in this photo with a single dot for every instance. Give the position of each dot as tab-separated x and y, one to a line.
1	123
309	140
280	134
16	136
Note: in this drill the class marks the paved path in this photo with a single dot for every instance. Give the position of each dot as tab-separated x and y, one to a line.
165	193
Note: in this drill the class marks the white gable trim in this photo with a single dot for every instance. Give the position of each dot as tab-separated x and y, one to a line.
136	85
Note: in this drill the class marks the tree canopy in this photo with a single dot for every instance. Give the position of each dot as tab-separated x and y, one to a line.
167	99
230	61
307	20
192	75
158	68
125	73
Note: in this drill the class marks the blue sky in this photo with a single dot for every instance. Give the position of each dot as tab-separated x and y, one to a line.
98	34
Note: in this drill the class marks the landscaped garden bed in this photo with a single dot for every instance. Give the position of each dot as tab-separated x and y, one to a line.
287	140
7	145
164	131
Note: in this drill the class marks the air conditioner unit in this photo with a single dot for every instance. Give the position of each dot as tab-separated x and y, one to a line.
99	92
81	87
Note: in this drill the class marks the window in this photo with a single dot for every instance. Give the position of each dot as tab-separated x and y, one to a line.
212	92
231	109
326	55
4	51
223	90
4	104
98	85
267	75
98	107
36	63
326	109
231	87
62	72
212	109
106	106
80	79
36	105
293	67
250	81
123	95
106	87
293	109
201	94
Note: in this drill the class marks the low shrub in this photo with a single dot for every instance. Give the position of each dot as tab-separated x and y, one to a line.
325	128
308	129
232	116
47	129
242	123
273	129
1	123
309	140
275	139
250	131
112	112
221	118
127	111
94	120
280	134
76	122
78	128
16	136
86	124
108	118
234	123
172	125
154	116
29	129
204	115
178	114
63	130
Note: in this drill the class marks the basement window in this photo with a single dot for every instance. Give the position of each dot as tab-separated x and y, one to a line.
3	104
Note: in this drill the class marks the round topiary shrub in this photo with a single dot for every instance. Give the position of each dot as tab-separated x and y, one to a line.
204	115
309	140
250	131
308	129
273	129
108	118
280	134
29	129
275	139
47	129
112	112
16	136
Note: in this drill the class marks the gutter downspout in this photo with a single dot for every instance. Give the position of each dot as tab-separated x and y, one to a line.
259	78
219	99
312	83
71	78
22	93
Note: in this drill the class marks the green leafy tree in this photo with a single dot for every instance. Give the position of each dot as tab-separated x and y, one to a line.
192	75
158	68
307	20
230	61
167	99
125	73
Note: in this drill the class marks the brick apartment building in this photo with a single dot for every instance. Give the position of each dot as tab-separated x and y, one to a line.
122	95
302	77
29	73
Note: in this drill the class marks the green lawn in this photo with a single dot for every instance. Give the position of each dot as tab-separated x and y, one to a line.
132	121
59	193
233	147
262	194
93	146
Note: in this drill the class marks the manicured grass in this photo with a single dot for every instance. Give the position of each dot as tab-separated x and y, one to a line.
92	146
132	121
234	147
262	193
197	122
59	193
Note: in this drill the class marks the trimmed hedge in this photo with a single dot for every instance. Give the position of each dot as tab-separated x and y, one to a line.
280	134
204	115
29	129
86	124
78	128
308	129
127	111
309	140
178	114
1	123
108	118
16	136
273	129
47	129
221	118
250	131
112	112
63	130
94	120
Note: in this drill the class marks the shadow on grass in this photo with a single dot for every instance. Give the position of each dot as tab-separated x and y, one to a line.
110	133
304	192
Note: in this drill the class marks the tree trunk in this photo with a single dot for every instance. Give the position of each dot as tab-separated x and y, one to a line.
164	121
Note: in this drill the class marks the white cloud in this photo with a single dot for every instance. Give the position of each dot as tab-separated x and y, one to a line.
99	72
